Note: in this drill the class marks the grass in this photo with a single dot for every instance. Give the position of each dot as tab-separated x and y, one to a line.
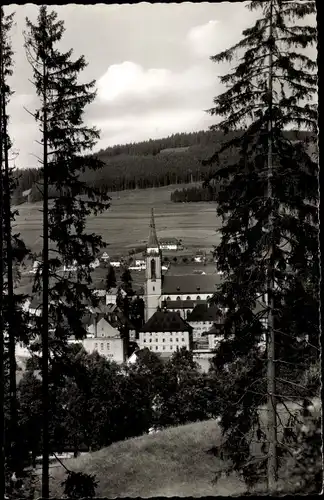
173	462
126	223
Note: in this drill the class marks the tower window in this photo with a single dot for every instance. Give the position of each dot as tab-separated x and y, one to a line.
154	289
168	298
178	298
188	298
198	297
153	269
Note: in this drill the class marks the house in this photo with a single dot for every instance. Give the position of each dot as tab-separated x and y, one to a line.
199	257
105	257
99	288
111	295
68	267
202	318
169	244
165	332
106	340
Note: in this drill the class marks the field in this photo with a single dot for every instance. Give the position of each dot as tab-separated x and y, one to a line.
126	223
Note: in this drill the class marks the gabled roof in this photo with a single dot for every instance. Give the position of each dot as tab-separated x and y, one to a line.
202	312
190	284
214	330
166	321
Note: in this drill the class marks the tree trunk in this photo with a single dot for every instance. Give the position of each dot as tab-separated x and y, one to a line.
271	385
45	271
11	306
2	374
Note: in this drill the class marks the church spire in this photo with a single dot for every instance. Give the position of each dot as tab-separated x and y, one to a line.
152	241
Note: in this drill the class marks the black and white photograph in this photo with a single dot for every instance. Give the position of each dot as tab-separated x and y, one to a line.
160	250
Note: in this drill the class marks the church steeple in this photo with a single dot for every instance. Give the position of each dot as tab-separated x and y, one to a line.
153	242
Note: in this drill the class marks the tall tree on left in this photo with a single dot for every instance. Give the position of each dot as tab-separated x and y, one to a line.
13	250
66	143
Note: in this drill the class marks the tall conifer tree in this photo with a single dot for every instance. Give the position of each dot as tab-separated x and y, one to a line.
268	201
67	143
13	252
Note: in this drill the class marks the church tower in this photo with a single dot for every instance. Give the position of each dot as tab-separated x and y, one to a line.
153	282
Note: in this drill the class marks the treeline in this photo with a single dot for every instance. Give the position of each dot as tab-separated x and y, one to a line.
154	163
195	193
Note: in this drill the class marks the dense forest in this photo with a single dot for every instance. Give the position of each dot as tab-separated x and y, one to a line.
176	159
193	193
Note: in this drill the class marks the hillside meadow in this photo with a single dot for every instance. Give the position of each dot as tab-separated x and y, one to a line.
126	223
174	462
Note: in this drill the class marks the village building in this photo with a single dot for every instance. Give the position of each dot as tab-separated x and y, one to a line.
111	295
163	290
202	319
170	244
165	332
106	340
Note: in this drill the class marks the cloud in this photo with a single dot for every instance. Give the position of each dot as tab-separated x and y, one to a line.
205	38
136	103
131	80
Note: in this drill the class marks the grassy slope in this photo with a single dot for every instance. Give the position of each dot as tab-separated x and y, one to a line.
173	462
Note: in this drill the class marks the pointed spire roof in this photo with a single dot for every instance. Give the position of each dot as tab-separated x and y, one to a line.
152	241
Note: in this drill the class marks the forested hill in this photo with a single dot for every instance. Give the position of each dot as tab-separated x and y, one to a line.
176	159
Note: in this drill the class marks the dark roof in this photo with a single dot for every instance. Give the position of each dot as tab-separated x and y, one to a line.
182	304
166	321
214	330
152	241
202	312
190	283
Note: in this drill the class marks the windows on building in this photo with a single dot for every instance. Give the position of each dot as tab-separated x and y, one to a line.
163	340
178	298
198	297
188	298
168	298
164	348
108	346
156	348
96	346
144	340
150	340
102	346
171	347
183	340
177	340
156	340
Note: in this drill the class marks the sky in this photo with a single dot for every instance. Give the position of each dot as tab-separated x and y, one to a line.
151	63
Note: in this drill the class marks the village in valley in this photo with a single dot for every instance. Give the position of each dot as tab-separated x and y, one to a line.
173	289
160	276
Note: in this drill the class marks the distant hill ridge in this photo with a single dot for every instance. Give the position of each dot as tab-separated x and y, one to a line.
176	159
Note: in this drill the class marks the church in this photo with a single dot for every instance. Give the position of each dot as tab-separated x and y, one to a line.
179	294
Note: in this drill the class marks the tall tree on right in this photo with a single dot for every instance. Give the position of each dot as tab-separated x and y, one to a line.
268	202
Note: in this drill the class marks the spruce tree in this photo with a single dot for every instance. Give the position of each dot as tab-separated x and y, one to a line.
13	252
268	202
67	143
